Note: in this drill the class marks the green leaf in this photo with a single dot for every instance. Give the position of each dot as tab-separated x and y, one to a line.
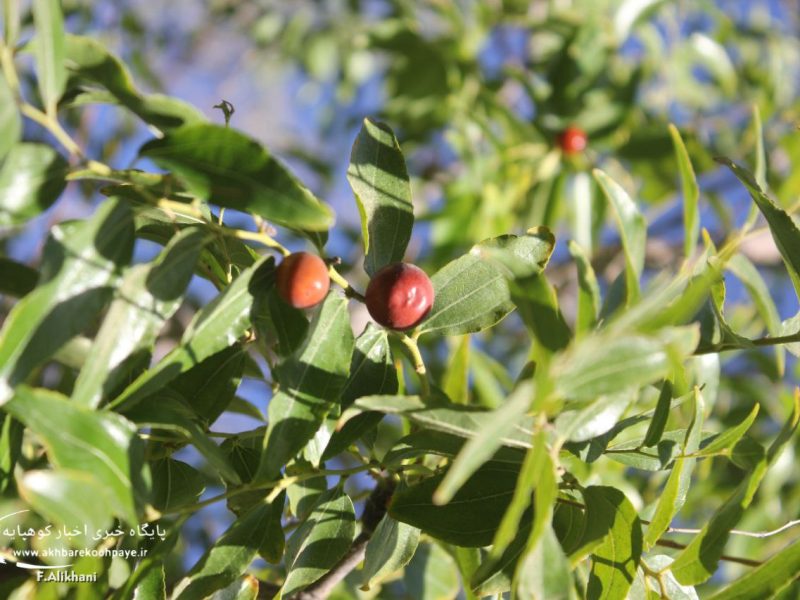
472	293
10	448
537	480
320	541
767	580
698	561
210	386
391	548
609	362
175	484
281	326
472	516
783	228
691	193
378	176
545	572
593	419
730	437
165	412
432	574
656	427
485	443
455	380
90	60
214	327
456	419
310	382
229	557
614	534
648	586
71	498
673	496
31	179
10	121
81	260
588	291
51	73
372	371
426	442
225	167
537	304
748	274
101	443
632	229
16	279
151	585
244	589
146	298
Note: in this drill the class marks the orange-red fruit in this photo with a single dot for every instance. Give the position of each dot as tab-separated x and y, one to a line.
573	140
399	296
302	279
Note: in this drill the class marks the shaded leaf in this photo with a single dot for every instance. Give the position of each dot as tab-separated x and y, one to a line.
318	544
673	496
224	166
391	547
310	382
31	179
90	60
378	176
472	516
229	557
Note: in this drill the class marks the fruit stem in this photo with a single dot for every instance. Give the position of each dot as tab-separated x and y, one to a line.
419	365
349	290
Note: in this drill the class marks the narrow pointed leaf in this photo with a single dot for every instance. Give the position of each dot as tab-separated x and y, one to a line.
632	229
782	226
319	543
691	193
391	548
229	557
51	73
380	182
310	383
673	496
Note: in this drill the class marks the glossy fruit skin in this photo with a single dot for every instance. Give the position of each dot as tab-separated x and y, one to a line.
302	280
399	296
573	140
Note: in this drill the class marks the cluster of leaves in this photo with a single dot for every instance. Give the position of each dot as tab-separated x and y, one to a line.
521	478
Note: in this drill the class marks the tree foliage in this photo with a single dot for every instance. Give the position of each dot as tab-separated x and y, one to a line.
583	414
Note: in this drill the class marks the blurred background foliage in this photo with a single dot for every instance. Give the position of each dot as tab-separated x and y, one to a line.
477	93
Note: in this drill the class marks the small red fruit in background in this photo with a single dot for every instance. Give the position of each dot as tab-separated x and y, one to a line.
302	279
572	140
399	296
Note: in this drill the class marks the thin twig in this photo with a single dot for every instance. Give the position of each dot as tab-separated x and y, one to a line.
734	559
